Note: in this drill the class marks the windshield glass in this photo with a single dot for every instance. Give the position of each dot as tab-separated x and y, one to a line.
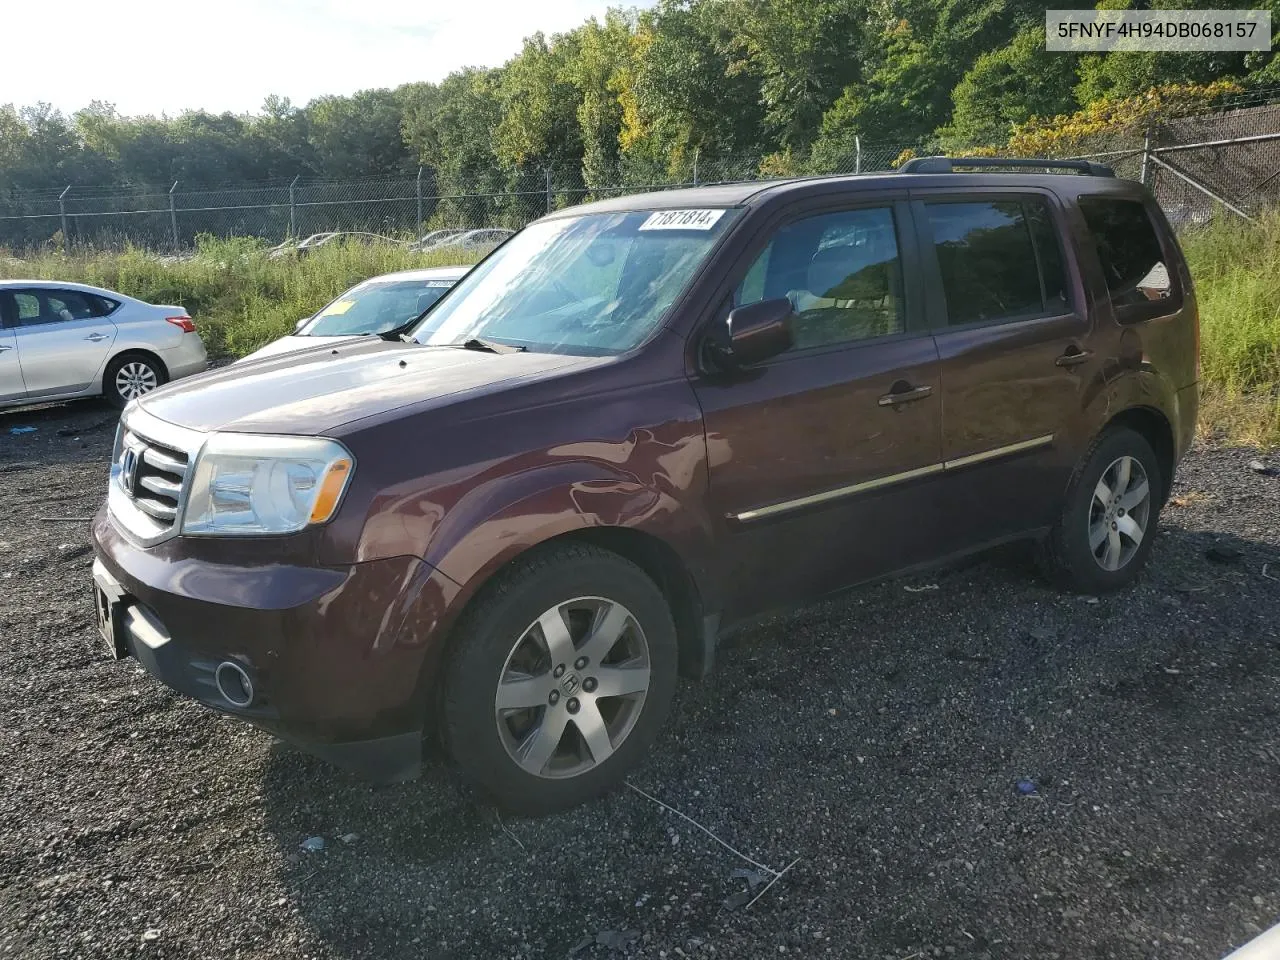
596	284
375	307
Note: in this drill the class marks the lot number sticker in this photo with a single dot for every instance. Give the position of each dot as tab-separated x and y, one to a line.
682	220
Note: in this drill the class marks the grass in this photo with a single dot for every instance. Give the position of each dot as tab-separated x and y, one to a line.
1236	268
241	299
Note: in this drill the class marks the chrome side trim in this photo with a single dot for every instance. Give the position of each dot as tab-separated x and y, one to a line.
853	489
775	508
1005	451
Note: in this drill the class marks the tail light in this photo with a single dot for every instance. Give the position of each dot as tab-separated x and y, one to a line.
186	324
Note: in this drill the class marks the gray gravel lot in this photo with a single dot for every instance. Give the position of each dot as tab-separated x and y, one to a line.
879	738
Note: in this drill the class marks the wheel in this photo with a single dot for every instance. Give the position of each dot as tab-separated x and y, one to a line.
1108	523
560	678
130	376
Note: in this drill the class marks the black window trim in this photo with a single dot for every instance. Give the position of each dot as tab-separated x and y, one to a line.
937	315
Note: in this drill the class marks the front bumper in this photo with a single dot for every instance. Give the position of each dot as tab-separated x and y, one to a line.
340	660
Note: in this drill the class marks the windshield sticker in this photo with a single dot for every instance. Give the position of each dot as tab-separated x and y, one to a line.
682	220
440	283
338	308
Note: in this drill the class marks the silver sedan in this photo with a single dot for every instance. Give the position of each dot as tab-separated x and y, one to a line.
59	341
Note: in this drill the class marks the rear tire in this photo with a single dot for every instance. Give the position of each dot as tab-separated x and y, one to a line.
1110	515
130	376
526	715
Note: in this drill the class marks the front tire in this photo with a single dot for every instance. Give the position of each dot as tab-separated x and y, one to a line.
131	375
560	677
1108	524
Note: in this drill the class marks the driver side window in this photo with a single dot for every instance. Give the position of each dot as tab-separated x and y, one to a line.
841	272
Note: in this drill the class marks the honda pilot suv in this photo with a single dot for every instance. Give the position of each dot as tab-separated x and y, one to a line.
634	425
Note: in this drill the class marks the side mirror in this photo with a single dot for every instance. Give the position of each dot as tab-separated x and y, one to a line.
301	323
759	331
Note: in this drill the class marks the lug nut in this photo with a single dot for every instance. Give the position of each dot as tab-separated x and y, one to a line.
558	672
579	663
589	684
554	698
572	704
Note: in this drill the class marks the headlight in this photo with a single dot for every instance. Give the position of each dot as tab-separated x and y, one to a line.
248	484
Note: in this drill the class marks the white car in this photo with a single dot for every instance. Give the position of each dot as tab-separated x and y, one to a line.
60	341
378	305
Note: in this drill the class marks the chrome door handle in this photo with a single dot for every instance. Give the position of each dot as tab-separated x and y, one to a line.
96	337
3	348
1074	358
905	396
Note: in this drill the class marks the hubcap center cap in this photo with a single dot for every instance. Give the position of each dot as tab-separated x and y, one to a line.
570	683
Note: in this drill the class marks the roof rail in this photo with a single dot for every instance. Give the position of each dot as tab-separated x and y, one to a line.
948	164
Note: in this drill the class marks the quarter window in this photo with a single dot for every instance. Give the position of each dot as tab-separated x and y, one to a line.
1129	249
1000	260
841	272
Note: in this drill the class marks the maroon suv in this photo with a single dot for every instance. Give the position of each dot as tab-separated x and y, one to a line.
635	424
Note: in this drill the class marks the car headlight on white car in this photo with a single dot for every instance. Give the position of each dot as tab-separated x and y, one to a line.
255	485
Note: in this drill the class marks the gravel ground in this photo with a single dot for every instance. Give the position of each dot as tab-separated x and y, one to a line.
876	741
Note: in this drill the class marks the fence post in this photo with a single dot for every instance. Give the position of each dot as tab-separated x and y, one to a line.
550	197
173	215
293	209
695	166
417	230
857	153
1146	157
62	211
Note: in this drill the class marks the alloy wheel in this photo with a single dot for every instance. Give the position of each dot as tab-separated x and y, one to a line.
1119	512
135	378
572	687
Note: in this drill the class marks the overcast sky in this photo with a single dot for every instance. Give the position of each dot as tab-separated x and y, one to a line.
158	56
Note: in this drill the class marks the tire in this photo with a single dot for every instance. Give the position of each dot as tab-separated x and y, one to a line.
131	375
500	648
1072	555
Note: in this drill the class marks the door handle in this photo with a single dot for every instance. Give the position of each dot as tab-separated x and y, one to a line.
905	396
1074	357
96	337
3	348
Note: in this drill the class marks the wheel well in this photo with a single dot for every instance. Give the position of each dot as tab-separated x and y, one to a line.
1157	431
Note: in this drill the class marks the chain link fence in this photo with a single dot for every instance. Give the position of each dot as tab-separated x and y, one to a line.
1197	166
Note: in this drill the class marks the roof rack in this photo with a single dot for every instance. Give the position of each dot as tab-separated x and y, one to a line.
948	164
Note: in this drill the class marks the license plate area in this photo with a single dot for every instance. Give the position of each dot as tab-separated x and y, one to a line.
110	603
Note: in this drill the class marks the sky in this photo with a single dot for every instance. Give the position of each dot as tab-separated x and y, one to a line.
157	56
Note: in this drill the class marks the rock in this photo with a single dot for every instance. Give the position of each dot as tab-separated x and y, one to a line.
349	837
1258	466
313	844
151	935
1223	554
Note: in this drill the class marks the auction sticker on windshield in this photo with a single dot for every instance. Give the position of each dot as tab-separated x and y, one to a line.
682	220
337	308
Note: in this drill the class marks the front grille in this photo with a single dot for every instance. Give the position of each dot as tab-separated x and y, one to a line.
152	476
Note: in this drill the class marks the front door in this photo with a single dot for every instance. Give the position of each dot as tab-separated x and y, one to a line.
1014	345
820	459
62	339
11	385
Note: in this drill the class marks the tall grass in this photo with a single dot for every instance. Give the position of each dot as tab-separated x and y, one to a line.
242	299
239	297
1236	269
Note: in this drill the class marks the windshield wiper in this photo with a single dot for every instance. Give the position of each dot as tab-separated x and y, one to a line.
489	346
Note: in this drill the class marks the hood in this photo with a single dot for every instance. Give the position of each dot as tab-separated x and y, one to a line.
315	391
292	344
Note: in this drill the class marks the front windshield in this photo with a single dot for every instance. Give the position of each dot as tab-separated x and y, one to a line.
596	284
375	306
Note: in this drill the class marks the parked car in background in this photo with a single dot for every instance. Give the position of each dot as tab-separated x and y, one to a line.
435	238
636	424
480	239
59	341
376	306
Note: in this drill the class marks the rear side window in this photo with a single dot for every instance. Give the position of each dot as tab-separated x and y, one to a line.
1000	260
1129	251
53	306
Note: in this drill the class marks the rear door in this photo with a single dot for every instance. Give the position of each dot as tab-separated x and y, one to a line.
63	337
820	458
1014	340
11	384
